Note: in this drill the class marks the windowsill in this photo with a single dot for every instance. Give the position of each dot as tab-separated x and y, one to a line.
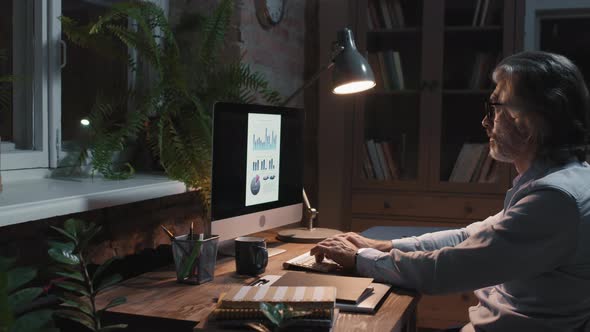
34	199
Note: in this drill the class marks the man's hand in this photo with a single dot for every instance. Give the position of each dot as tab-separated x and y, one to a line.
363	242
338	249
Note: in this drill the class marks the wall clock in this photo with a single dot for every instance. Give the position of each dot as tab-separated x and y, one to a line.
269	12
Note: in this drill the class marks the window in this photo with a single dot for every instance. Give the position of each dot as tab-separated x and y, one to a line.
54	83
23	110
85	75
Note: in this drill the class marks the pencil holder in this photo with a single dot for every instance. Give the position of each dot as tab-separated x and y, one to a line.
194	260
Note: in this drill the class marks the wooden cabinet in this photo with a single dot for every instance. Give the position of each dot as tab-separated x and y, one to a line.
419	148
423	130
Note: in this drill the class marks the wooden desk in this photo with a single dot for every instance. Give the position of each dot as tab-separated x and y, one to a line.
156	302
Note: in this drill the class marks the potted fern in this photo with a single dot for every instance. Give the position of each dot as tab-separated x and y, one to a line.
174	110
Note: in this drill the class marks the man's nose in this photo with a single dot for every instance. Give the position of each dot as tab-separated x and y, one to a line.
486	122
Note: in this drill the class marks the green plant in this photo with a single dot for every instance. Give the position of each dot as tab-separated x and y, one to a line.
107	134
16	313
79	289
186	81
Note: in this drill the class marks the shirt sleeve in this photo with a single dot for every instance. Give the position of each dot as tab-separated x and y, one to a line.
438	240
540	230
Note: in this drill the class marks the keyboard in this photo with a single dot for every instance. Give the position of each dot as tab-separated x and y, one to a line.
308	262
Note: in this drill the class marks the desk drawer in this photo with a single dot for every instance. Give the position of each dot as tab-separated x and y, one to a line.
429	205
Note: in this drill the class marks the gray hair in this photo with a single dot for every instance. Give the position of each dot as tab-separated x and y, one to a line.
552	91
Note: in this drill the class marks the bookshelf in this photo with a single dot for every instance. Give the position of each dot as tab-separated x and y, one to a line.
418	148
420	152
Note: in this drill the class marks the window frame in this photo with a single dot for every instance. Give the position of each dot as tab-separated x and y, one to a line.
31	124
44	129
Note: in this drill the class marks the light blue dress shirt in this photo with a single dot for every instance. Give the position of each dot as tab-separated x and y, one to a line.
529	264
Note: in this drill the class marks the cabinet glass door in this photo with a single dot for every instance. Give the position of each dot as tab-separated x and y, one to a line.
389	151
473	45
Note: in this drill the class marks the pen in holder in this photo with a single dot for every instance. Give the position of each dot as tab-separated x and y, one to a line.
194	258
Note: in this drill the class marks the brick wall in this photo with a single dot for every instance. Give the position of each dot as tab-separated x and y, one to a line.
276	53
127	229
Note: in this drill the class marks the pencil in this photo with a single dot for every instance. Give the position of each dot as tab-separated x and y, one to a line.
168	232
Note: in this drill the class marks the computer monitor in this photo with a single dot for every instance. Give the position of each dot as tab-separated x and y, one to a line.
257	176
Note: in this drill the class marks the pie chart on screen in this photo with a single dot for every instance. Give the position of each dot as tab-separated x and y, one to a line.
255	185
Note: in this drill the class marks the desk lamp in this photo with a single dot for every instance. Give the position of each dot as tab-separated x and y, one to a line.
351	74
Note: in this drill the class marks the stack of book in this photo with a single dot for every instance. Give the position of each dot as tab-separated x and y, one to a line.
379	161
309	306
474	164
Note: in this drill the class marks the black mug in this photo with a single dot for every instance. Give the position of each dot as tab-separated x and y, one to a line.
251	255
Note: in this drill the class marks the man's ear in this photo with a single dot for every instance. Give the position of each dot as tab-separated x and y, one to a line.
535	128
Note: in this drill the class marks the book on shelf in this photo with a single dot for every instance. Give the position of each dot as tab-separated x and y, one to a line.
383	67
382	161
368	167
372	149
476	13
484	171
397	63
388	154
484	12
467	162
391	69
397	13
482	15
494	173
480	163
375	15
370	21
384	12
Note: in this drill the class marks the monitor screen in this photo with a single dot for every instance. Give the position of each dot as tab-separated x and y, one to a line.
257	177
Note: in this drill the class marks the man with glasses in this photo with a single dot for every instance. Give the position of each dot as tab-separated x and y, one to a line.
529	264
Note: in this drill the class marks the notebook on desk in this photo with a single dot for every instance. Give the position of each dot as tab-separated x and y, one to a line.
348	289
368	302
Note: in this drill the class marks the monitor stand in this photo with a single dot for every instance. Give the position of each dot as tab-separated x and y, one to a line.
306	235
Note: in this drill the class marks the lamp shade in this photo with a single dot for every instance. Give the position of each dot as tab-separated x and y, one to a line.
351	73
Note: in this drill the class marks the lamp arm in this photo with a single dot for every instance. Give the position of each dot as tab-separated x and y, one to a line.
315	76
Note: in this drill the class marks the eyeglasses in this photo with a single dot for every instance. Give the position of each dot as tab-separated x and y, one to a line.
490	108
